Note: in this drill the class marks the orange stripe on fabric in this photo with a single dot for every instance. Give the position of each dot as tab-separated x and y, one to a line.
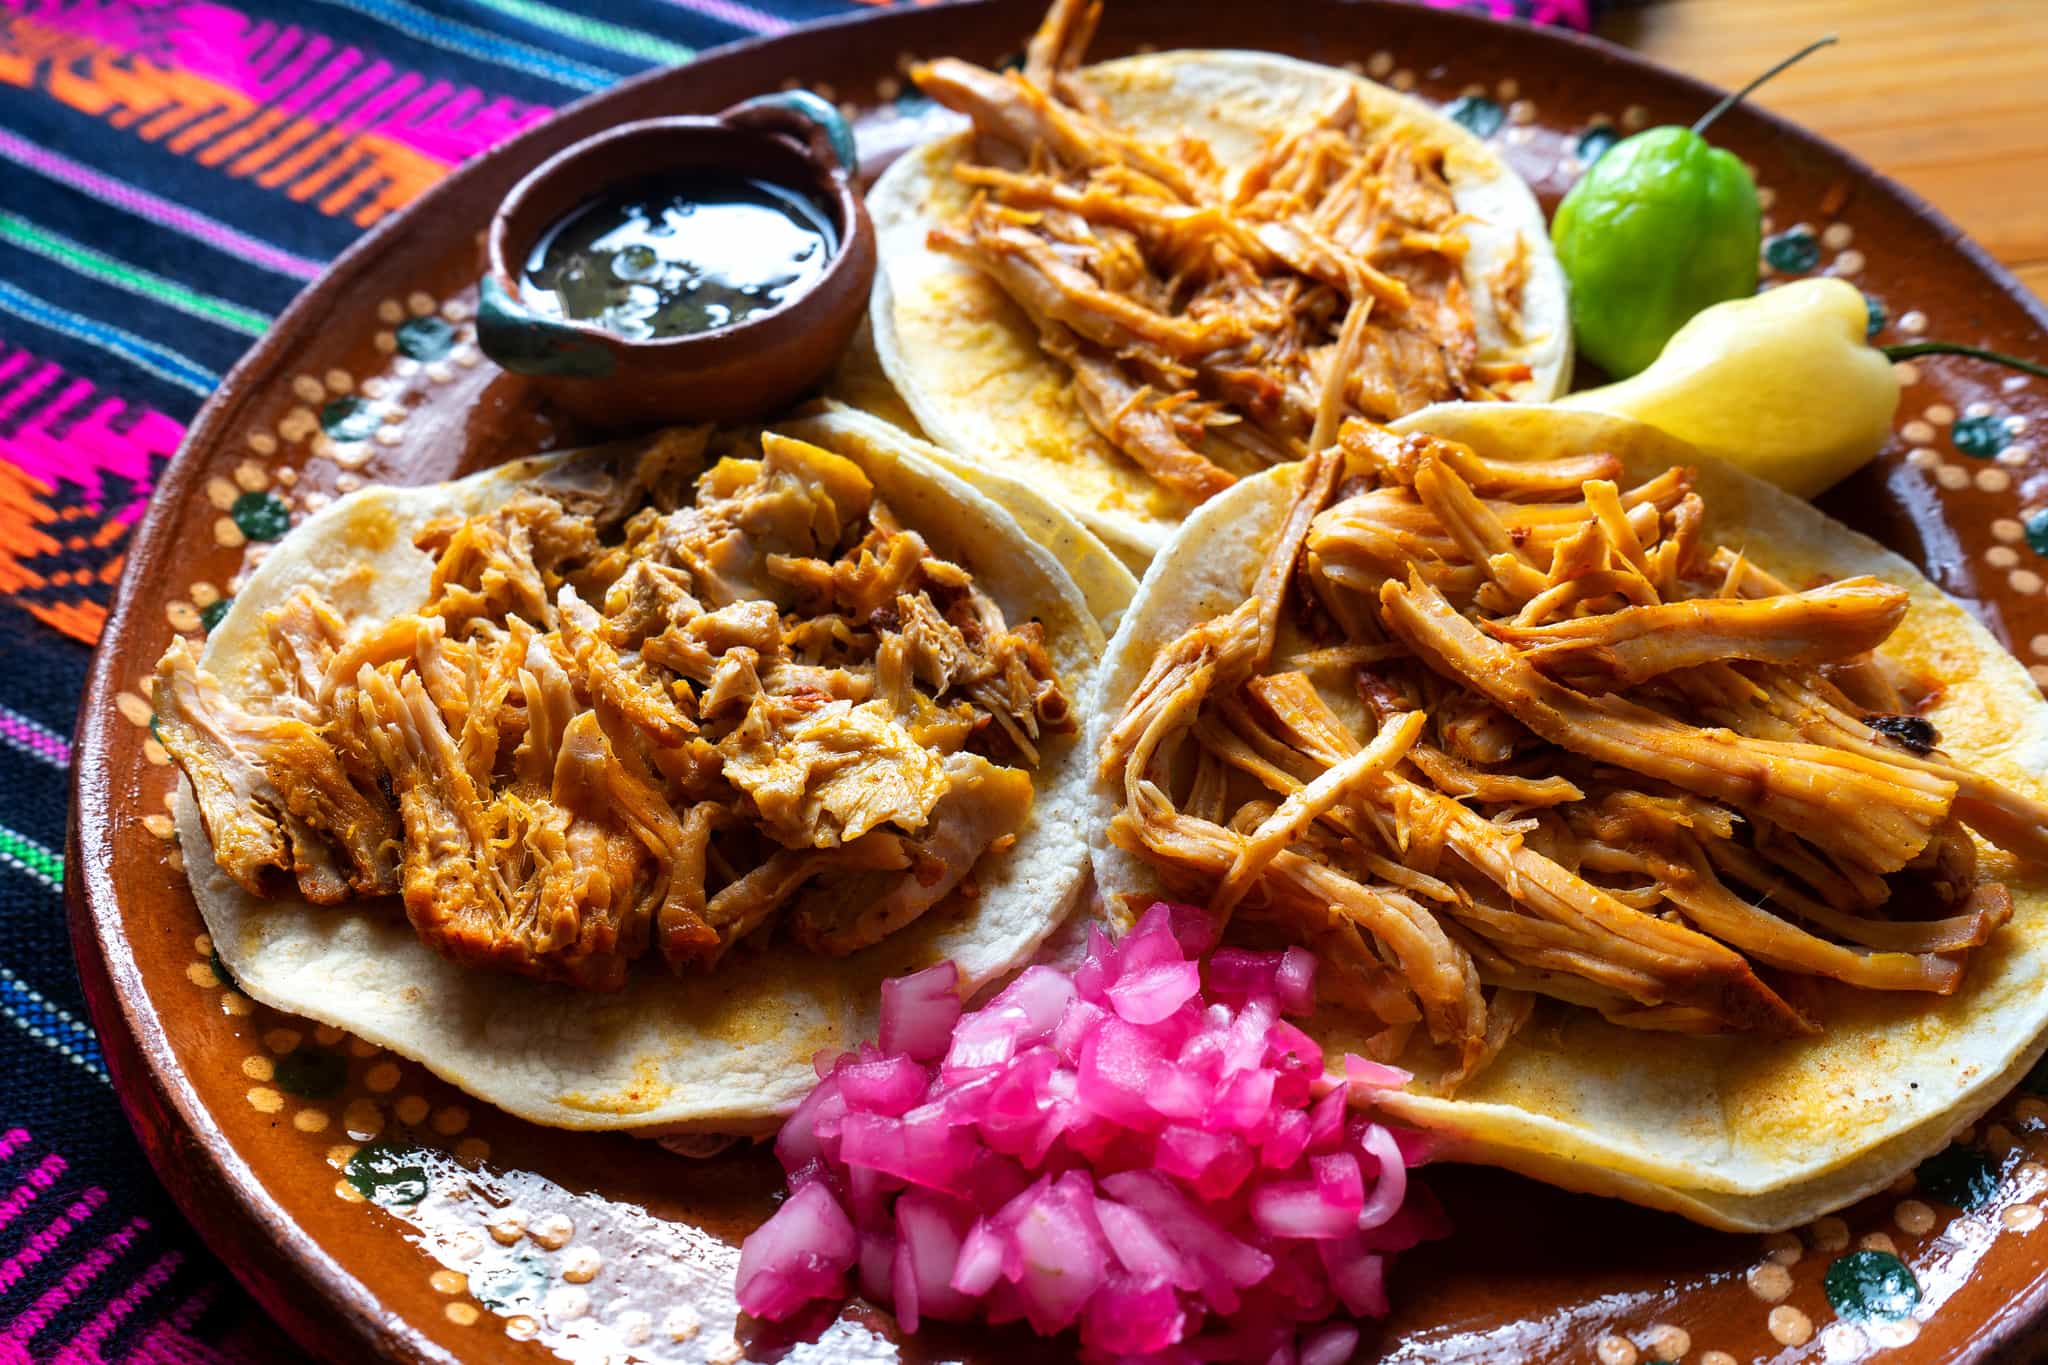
22	528
323	139
135	93
345	194
199	132
320	180
250	133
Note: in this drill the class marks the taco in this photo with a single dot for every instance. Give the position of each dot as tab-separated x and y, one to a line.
1686	845
1139	281
610	785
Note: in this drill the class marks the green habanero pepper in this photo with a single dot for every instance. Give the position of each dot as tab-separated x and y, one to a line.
1661	226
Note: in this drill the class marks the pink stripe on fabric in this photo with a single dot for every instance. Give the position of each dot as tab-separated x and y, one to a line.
38	1180
11	366
90	445
14	1139
360	87
221	44
84	1349
54	411
34	738
82	1273
162	211
1573	13
391	94
25	391
46	1238
738	15
170	1342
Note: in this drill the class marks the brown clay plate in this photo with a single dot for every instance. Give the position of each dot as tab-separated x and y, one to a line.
486	1239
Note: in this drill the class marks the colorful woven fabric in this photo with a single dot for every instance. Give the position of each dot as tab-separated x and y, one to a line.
174	171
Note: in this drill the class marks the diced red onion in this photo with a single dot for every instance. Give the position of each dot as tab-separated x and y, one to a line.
1358	1275
1338	1183
1296	1210
1373	1075
919	1012
799	1141
1333	1345
801	1253
929	1233
1153	994
886	1085
1295	981
1138	1247
981	1261
1132	1318
875	1271
1116	1066
1101	1150
1390	1184
1213	1165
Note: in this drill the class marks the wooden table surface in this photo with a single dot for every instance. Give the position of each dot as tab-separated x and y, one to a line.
1948	96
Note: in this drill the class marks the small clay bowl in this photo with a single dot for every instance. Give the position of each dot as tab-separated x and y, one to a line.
744	369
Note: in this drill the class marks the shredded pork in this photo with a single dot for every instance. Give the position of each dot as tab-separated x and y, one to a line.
1214	324
615	731
1491	730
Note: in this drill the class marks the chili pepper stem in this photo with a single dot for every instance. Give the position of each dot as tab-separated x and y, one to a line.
1730	101
1909	349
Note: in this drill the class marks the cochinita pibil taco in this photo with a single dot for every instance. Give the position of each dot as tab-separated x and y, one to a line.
611	785
1139	281
1688	846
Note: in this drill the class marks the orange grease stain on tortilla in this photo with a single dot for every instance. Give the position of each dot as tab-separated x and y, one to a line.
372	525
647	1090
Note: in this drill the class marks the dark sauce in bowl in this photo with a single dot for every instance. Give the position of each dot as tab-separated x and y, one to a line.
679	256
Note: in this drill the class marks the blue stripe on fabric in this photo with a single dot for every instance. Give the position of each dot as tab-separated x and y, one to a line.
161	361
153	180
216	270
470	41
50	1024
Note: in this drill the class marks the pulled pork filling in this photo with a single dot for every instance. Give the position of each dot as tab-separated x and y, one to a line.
1487	731
1214	326
603	735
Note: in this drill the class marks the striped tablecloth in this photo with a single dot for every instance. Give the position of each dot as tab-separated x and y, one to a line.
171	173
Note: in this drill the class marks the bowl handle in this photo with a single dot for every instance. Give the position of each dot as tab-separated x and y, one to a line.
811	120
522	341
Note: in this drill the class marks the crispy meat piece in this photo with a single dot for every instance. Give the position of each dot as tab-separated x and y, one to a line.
271	791
824	774
506	563
982	803
512	882
1132	418
745	905
596	782
618	689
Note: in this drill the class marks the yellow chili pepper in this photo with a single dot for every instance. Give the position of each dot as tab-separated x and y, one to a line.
1783	384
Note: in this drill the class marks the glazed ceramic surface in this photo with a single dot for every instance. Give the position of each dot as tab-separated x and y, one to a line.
377	1211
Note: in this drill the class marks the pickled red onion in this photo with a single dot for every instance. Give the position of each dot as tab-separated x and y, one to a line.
1104	1151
